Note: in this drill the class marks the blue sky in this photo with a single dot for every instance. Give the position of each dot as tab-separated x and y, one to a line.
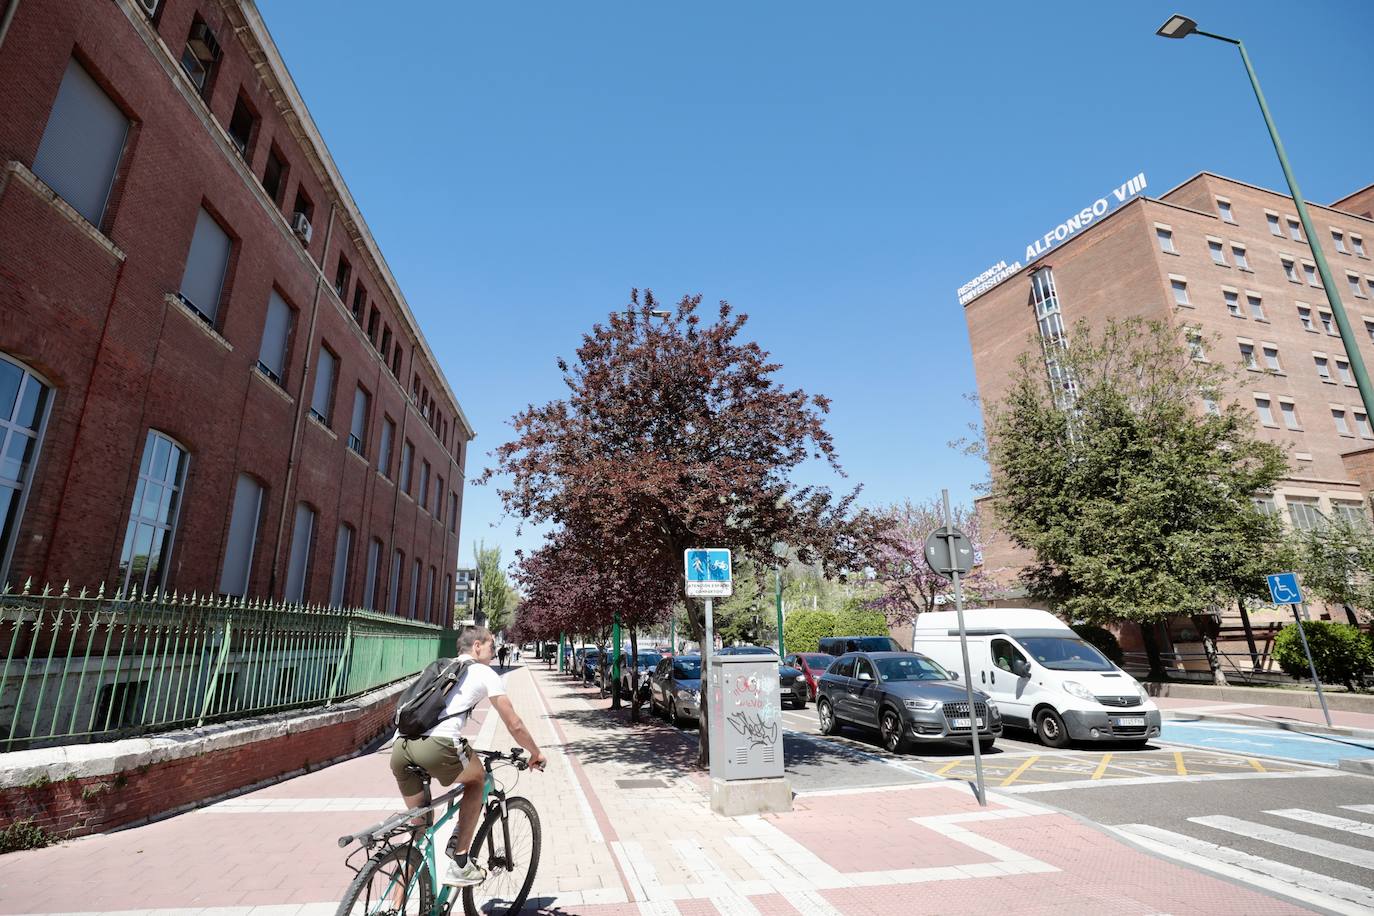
835	171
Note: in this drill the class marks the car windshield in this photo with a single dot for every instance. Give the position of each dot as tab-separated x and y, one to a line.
910	668
746	650
1061	653
818	661
687	670
649	659
877	644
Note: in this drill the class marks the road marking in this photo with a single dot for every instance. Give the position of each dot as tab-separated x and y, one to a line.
947	767
694	856
1360	828
1016	773
1289	839
1102	767
1152	780
1257	765
1178	762
1289	881
1362	809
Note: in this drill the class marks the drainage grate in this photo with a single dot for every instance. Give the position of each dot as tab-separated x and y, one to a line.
640	784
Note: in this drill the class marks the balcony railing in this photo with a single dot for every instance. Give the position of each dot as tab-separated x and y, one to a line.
81	667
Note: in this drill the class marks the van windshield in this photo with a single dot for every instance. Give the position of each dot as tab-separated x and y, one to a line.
1065	653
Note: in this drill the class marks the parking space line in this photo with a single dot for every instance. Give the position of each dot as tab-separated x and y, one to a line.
1016	773
1178	762
1257	765
1102	766
947	767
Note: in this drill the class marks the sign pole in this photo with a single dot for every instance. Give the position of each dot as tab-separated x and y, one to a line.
1311	665
980	789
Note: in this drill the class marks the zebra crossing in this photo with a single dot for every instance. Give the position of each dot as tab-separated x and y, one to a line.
1303	847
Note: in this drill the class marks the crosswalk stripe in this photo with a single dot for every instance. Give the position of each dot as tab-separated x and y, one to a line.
1297	883
1360	828
1289	839
1362	809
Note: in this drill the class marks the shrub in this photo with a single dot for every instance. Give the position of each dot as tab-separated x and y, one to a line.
24	834
1342	653
856	620
803	631
1103	640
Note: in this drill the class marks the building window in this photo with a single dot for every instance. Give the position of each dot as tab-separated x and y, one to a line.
1271	358
322	400
1211	406
357	429
341	274
241	125
384	453
396	362
298	567
24	404
1224	209
1310	272
393	595
1355	287
439	492
338	582
1217	252
1166	240
1338	415
82	144
153	517
1247	356
1265	414
1358	244
429	597
1305	316
453	512
1323	370
200	54
1362	424
1304	513
424	484
1328	325
407	458
1353	513
203	279
1294	229
1339	238
276	332
243	537
1265	504
1050	324
1273	220
1256	306
1290	270
1290	415
1180	288
1343	372
374	562
1238	252
1369	329
373	318
414	588
1196	350
1232	302
274	175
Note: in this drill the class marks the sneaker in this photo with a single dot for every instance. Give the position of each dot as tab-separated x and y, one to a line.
464	875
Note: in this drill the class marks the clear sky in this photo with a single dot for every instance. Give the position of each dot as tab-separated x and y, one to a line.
834	170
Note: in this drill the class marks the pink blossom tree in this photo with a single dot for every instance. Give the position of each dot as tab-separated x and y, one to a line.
909	587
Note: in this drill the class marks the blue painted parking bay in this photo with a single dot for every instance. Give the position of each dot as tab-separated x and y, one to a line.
1322	750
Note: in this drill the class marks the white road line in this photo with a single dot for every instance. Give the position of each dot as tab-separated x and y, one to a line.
1153	780
1288	839
1299	884
1359	828
1362	809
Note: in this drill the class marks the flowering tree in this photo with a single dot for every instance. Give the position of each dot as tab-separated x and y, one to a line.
909	587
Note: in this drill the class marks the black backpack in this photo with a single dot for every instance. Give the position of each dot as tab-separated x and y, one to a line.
421	706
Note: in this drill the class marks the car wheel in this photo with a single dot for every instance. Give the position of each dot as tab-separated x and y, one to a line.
674	714
826	715
799	702
891	727
1049	728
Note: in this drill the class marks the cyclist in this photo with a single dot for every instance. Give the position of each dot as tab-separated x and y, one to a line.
446	756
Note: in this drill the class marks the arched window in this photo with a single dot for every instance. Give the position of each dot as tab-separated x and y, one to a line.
24	404
153	516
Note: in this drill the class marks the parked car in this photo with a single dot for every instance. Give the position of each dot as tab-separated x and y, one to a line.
675	688
839	645
791	684
907	697
812	665
591	664
585	661
1043	676
648	661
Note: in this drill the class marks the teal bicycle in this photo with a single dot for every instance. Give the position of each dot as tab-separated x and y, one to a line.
400	873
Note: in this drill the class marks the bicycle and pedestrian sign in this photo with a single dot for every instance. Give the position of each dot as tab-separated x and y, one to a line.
708	573
1283	588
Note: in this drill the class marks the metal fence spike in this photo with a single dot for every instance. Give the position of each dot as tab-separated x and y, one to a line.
66	588
100	592
28	585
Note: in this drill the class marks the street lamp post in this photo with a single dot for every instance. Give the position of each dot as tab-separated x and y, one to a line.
1181	27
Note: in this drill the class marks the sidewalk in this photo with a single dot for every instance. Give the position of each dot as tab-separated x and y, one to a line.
1356	724
627	829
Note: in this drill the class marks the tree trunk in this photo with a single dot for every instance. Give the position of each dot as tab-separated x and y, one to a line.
1351	616
1147	634
634	674
1249	634
1208	630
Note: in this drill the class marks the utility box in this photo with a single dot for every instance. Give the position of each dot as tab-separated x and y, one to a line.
746	732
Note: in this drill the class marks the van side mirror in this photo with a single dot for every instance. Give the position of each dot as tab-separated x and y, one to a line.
1021	668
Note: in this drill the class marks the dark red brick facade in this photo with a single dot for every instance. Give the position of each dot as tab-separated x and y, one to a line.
93	311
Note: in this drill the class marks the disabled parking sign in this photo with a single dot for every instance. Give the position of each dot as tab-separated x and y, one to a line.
1283	588
708	573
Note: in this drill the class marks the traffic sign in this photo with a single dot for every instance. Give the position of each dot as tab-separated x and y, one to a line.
708	573
938	558
1283	588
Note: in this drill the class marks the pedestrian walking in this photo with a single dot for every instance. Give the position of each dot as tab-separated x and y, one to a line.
502	654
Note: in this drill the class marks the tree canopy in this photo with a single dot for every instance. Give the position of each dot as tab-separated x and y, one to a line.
498	598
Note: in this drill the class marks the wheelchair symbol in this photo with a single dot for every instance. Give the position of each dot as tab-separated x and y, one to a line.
1284	593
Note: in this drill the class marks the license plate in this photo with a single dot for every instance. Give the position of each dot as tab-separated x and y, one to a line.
1131	720
963	723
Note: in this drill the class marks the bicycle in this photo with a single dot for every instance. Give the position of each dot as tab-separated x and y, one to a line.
506	844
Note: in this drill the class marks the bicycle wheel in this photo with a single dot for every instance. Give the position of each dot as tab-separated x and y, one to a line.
510	871
380	887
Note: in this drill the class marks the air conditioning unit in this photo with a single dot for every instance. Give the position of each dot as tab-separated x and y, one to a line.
149	7
300	224
202	42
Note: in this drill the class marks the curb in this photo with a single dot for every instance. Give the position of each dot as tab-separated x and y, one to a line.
1342	731
1362	766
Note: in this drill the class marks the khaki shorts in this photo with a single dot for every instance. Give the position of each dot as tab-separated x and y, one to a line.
440	757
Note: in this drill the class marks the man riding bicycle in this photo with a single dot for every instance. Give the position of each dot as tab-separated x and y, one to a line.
445	754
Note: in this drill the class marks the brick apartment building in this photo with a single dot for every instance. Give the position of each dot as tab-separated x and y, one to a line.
209	379
1227	264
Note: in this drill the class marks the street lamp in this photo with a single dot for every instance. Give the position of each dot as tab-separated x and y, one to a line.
1178	26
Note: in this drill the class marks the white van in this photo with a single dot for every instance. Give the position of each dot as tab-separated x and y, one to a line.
1042	675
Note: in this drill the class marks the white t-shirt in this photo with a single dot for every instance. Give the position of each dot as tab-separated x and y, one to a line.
478	683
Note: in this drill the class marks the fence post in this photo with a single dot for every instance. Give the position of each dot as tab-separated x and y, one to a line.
342	663
213	683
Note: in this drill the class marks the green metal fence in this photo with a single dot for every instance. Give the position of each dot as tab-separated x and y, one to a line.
89	667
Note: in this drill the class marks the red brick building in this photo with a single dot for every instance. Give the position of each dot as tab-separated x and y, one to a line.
209	379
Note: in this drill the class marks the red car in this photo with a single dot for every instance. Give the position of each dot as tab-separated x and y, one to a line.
812	665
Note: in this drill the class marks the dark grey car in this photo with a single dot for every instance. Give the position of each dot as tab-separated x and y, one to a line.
792	687
675	688
906	697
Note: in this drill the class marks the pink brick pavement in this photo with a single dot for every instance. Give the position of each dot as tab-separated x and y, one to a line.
209	859
1270	714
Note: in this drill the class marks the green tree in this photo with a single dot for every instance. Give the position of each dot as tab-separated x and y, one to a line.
1135	501
803	630
497	596
1342	653
855	619
1336	561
